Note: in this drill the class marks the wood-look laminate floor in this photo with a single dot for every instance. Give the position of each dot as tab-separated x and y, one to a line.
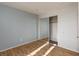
27	49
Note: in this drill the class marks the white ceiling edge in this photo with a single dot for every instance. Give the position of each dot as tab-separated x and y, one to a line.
50	14
41	12
9	5
56	12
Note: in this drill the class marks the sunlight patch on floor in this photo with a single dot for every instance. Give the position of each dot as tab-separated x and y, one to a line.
49	50
38	49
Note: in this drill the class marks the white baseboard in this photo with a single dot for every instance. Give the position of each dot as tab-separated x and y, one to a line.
17	45
69	49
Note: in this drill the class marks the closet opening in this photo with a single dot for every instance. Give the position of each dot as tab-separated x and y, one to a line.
53	21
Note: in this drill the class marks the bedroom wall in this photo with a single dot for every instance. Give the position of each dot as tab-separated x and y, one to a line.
78	28
67	26
44	27
16	27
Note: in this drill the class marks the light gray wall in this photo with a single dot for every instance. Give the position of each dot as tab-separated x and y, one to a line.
67	26
44	26
16	27
78	28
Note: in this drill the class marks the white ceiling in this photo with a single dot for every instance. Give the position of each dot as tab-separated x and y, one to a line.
39	8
